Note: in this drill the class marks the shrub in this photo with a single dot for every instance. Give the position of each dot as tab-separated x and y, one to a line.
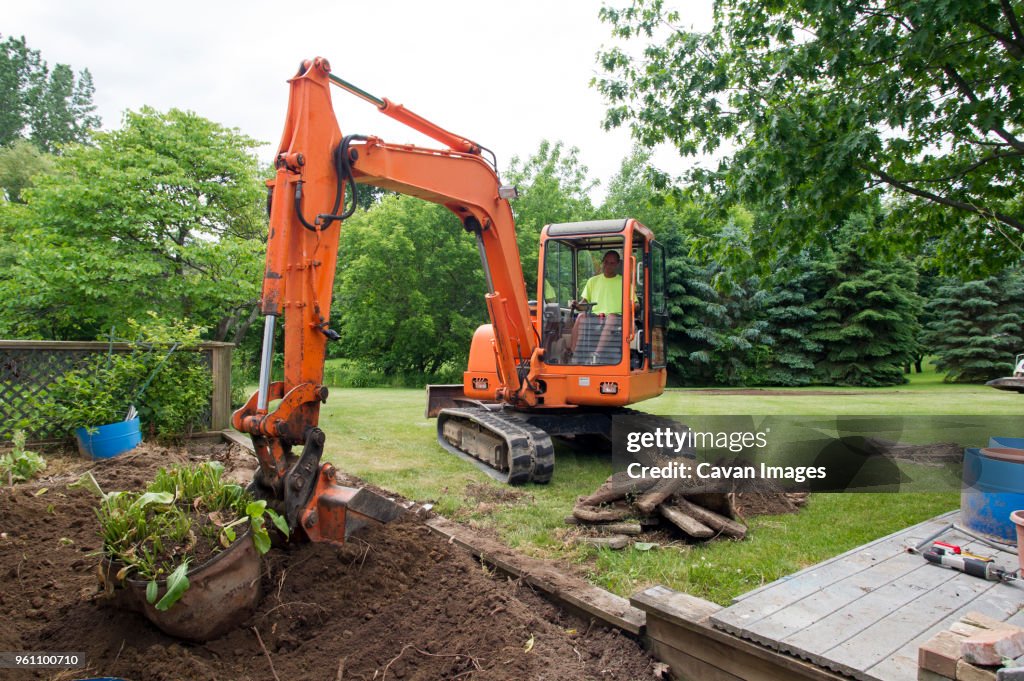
162	376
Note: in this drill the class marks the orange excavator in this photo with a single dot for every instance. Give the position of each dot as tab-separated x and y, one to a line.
540	369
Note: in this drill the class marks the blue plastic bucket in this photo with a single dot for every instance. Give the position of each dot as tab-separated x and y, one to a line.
108	441
993	489
1012	442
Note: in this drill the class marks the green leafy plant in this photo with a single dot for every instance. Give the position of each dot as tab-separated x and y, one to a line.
19	464
186	515
256	513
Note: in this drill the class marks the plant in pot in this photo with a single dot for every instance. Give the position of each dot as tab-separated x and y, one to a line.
104	401
186	551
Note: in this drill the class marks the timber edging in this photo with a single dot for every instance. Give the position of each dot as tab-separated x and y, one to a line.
679	634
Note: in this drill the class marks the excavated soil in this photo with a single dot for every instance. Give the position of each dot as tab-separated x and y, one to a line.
395	603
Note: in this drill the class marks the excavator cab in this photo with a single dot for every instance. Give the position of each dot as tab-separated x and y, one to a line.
602	293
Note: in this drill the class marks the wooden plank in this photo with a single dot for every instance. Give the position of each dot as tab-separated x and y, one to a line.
999	601
872	603
617	487
674	606
661	491
884	626
690	526
234	437
814	580
877	642
546	576
631	529
713	520
615	542
919	531
732	655
686	667
220	399
742	615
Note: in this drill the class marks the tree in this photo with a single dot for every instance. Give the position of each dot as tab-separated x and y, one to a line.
819	104
866	320
789	313
164	214
715	335
49	108
410	290
19	162
976	327
553	187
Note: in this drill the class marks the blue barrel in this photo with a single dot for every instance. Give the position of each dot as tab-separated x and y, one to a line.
1012	442
108	441
993	489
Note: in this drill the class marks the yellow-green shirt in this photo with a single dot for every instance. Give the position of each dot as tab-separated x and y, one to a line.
605	293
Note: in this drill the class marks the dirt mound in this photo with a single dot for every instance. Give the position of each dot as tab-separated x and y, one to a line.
750	504
395	603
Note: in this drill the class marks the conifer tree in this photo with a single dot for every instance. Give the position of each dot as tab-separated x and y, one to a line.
867	318
790	292
977	327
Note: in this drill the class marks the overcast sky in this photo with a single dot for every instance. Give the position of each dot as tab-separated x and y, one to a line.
506	74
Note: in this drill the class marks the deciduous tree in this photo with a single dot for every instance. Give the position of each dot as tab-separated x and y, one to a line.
163	214
410	291
815	104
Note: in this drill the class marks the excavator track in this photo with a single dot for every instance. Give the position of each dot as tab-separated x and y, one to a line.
499	442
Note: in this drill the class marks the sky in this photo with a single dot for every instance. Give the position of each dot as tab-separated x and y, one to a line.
504	74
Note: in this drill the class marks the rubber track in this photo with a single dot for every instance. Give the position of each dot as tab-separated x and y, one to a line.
531	453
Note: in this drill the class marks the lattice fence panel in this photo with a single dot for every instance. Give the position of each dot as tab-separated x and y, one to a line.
28	370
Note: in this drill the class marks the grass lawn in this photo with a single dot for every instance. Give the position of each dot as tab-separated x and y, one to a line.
380	434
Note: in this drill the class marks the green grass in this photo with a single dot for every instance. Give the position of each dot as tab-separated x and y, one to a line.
381	435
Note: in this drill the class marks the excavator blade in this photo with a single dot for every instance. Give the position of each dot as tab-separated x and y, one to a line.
443	396
368	508
1011	383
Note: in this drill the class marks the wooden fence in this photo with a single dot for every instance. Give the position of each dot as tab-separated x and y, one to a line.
29	368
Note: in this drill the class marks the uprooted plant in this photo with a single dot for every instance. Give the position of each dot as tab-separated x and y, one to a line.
185	516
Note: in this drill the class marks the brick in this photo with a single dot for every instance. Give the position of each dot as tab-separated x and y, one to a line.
939	654
990	647
966	671
1014	674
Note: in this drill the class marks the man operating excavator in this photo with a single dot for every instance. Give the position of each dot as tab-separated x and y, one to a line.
601	304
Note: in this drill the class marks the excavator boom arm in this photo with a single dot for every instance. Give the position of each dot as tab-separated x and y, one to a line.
314	164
